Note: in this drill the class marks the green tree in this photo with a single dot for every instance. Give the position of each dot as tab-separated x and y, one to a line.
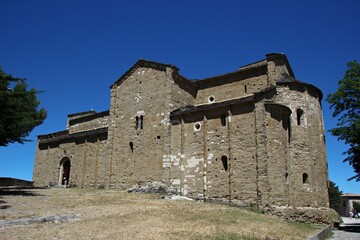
19	113
334	196
346	104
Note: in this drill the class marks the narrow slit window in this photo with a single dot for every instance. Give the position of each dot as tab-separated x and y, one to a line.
223	120
299	116
305	178
131	145
245	88
289	129
137	122
141	121
224	161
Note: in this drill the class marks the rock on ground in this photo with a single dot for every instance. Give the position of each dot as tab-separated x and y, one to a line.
43	219
153	187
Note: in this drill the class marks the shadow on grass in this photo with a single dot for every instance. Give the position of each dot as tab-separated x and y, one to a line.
17	191
4	207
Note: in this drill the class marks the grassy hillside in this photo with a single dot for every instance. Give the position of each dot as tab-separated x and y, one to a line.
112	214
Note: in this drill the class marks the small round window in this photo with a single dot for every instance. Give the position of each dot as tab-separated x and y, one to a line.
197	126
211	99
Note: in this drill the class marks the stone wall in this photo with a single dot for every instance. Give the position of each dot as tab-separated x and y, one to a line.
242	153
233	86
306	214
10	182
90	122
87	158
137	127
307	146
277	131
148	94
213	158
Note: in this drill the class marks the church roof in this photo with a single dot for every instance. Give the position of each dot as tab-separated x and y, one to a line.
88	117
351	195
191	108
143	63
237	75
64	135
249	70
286	79
244	72
252	69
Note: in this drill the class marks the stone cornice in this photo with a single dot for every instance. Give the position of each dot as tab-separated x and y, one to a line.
64	135
88	117
204	107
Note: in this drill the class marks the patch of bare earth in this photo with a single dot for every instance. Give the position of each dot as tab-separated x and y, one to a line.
114	214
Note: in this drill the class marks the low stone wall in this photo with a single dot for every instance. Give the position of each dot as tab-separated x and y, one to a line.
306	214
322	234
7	182
319	215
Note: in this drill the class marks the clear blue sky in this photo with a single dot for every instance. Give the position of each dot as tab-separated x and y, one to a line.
74	50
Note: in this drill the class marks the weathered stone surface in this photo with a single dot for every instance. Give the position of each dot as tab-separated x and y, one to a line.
254	136
153	187
42	219
178	197
306	214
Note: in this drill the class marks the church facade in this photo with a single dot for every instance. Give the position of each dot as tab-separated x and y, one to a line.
252	136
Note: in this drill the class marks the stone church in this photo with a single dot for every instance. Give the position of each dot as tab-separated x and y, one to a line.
254	136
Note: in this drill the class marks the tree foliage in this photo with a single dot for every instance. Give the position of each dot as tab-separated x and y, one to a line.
334	196
346	104
19	113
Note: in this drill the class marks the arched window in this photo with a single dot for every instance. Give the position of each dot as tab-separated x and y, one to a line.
305	178
224	161
299	114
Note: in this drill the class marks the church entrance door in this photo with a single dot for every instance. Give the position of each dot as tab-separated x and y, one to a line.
65	172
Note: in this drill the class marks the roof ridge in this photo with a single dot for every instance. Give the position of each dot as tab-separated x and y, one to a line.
143	63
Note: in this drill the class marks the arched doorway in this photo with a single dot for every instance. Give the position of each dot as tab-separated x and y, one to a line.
64	177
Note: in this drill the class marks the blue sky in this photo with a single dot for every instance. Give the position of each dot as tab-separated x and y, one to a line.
74	50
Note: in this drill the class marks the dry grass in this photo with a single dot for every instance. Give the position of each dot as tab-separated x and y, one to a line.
111	214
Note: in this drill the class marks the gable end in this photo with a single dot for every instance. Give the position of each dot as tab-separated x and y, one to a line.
144	63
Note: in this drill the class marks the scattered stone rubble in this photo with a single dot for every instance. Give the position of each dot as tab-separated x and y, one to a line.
160	188
42	219
153	187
